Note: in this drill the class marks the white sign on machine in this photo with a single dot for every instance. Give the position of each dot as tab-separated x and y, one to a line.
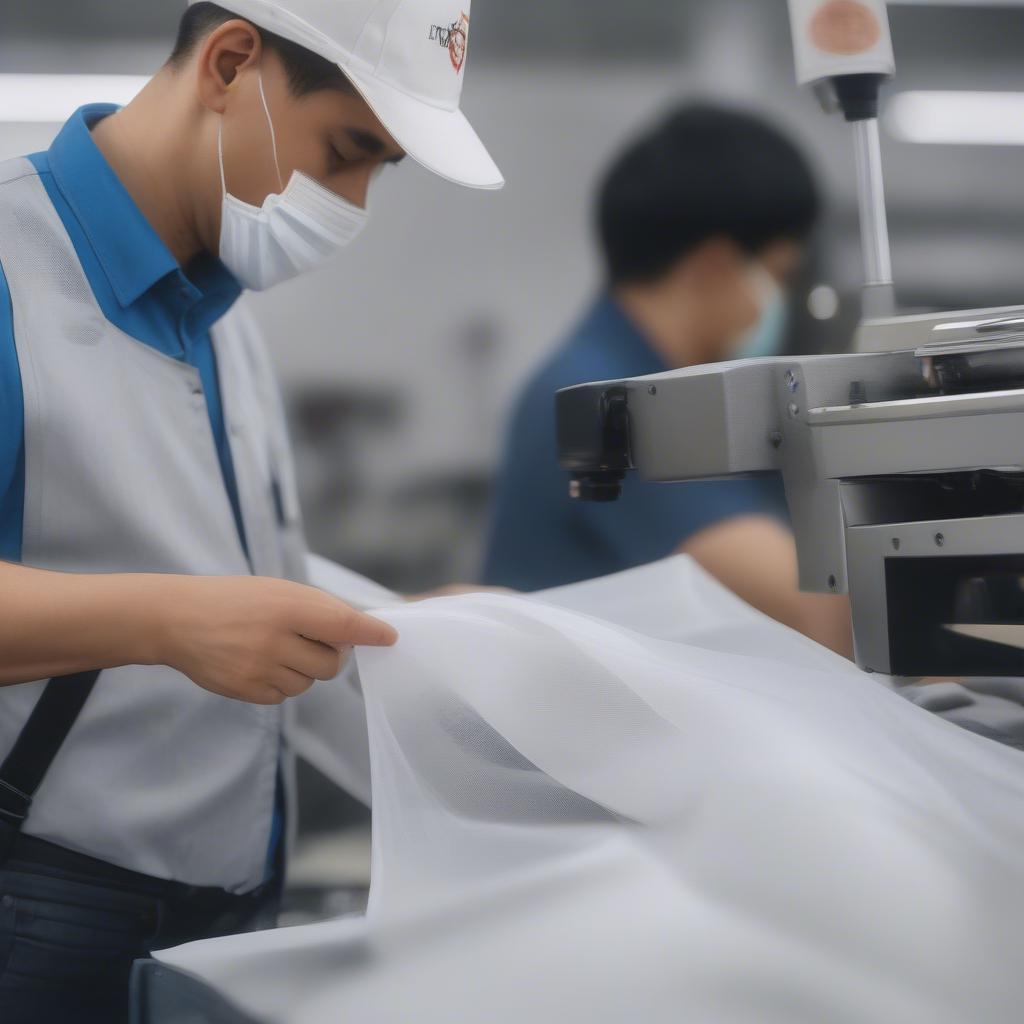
840	37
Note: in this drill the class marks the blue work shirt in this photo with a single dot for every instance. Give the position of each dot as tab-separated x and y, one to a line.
540	537
138	285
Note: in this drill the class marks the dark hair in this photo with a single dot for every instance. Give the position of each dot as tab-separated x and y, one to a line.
307	71
703	172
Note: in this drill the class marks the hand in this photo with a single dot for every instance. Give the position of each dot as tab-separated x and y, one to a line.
458	589
257	639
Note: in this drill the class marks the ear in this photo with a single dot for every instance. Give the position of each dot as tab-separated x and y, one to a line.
781	258
228	50
714	258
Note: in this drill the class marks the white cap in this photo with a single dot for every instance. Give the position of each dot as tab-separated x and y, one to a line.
406	58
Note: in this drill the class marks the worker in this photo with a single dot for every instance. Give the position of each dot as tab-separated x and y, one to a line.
702	222
153	615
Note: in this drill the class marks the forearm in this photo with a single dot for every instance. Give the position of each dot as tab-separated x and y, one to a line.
57	623
755	557
823	617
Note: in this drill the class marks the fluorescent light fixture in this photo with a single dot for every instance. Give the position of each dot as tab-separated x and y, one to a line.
52	99
956	3
957	118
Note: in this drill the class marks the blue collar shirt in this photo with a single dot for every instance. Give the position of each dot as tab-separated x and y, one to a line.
540	537
138	285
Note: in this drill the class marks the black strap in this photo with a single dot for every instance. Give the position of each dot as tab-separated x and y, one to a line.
40	740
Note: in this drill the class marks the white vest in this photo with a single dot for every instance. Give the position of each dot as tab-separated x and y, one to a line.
122	475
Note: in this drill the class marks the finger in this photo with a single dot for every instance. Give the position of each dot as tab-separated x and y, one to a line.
290	683
334	622
459	590
312	658
266	696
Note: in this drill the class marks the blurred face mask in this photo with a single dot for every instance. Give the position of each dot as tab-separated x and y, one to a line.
298	229
767	335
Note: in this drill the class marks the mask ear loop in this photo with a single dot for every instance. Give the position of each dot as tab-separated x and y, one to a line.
273	137
220	157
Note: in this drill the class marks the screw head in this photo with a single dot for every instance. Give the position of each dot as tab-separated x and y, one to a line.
896	543
939	540
792	382
832	582
794	410
652	389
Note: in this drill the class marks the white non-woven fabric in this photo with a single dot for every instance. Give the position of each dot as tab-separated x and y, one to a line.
577	821
327	725
670	600
675	599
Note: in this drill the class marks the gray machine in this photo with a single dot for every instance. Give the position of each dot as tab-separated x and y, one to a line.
903	462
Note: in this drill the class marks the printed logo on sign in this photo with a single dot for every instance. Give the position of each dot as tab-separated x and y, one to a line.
845	28
454	38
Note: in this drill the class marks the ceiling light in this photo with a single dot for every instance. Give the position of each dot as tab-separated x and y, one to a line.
957	118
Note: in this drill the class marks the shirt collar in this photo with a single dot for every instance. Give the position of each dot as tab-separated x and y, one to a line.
131	253
610	321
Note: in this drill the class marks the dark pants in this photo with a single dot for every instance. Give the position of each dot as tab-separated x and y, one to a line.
70	928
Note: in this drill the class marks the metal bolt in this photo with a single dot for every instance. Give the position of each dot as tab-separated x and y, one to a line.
896	543
775	439
652	389
939	540
794	410
792	382
832	584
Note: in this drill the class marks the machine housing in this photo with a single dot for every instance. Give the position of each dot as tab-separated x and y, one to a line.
903	466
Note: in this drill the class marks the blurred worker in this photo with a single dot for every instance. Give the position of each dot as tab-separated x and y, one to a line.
146	493
701	222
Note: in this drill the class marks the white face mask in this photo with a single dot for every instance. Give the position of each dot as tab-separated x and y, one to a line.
298	229
768	335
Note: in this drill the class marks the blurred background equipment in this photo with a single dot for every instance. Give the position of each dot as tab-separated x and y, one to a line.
901	460
399	375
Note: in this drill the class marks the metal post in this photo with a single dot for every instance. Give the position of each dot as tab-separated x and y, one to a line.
879	300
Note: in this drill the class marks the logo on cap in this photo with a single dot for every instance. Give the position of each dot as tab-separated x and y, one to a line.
454	38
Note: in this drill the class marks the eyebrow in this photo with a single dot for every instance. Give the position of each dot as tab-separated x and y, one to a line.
371	144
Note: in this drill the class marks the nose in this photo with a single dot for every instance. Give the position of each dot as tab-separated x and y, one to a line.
354	184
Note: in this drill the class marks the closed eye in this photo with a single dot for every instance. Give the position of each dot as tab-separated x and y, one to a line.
338	159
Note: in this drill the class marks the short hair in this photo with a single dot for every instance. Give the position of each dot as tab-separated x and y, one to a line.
307	71
703	172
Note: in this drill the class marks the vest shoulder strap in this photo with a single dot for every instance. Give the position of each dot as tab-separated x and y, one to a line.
39	742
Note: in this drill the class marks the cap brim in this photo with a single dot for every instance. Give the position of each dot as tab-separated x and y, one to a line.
443	141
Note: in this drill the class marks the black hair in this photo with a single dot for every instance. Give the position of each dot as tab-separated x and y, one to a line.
307	71
702	172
